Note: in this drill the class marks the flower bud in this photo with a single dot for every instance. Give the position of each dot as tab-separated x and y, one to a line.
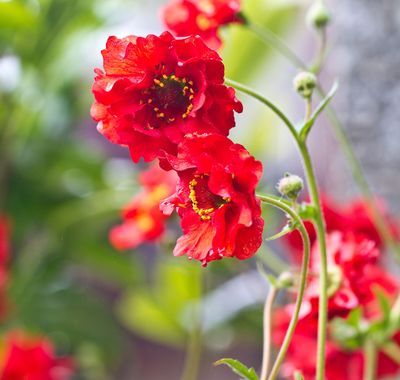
305	83
318	16
290	186
285	280
335	278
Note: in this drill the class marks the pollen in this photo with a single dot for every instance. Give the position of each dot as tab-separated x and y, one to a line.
199	193
171	97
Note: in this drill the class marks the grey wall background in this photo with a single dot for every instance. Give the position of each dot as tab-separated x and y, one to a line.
365	56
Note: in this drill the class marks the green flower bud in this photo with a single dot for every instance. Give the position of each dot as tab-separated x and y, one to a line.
318	16
285	280
335	278
290	186
305	83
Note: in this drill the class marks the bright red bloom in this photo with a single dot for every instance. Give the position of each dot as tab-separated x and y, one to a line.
154	90
354	279
221	216
201	17
143	220
31	358
340	363
353	275
355	218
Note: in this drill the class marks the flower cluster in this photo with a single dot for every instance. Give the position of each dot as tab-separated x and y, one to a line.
215	199
353	218
201	17
154	90
32	358
356	280
165	98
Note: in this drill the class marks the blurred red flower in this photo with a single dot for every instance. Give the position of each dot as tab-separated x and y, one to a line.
154	90
201	17
142	219
215	198
30	358
4	257
351	259
355	277
355	218
340	363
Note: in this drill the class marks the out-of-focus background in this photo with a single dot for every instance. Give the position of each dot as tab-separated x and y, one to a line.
128	315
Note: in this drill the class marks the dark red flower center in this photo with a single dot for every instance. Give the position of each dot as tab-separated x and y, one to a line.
203	201
171	97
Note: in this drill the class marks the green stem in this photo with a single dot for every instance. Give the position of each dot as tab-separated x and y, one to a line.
308	109
320	226
273	291
303	279
319	223
370	360
270	39
319	60
392	350
249	91
195	344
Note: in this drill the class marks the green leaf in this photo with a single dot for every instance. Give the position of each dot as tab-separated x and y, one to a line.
349	333
159	313
392	350
239	368
298	376
287	229
394	318
308	125
355	317
384	303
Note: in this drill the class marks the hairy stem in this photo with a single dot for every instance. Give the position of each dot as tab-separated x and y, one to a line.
303	279
392	350
320	226
319	60
273	291
370	360
195	344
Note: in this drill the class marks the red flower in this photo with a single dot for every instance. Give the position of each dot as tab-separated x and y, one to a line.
30	358
143	220
340	363
154	90
355	218
202	17
221	217
351	268
4	257
302	352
